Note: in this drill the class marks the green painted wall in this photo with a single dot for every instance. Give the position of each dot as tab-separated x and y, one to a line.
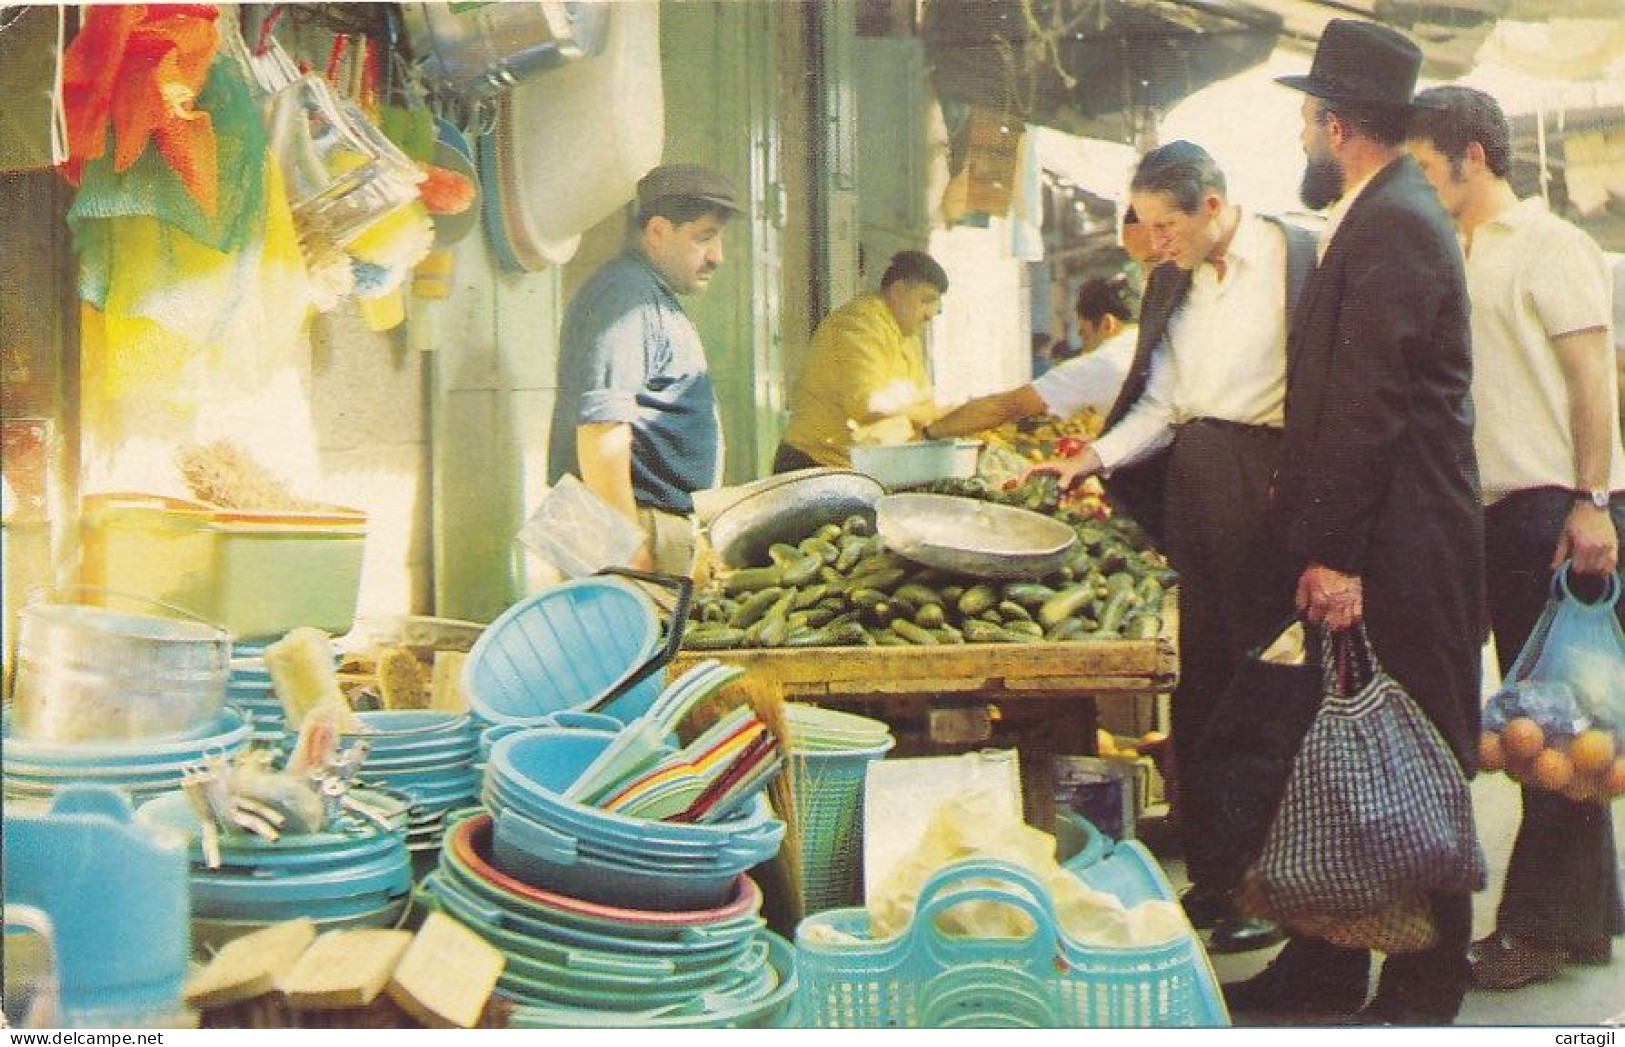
719	63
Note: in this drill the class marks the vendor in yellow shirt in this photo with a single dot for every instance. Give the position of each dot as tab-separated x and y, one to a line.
866	365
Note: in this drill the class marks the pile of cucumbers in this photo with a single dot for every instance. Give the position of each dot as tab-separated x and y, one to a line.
840	587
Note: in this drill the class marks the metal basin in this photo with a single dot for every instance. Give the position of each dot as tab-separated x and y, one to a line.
973	537
788	512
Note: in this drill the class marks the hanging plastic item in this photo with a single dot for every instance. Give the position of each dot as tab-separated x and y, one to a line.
138	69
343	175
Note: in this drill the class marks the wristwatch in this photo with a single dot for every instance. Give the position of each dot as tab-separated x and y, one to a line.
1597	496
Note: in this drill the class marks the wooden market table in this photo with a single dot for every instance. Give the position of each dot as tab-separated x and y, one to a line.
1042	697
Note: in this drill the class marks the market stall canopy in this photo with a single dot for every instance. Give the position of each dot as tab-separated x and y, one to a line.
1095	67
1083	65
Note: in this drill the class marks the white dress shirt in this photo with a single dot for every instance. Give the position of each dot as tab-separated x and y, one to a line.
1224	355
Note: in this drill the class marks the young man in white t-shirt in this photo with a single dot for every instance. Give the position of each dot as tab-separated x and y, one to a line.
1547	435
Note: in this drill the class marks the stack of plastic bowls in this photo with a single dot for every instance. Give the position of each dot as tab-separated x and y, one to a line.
547	840
427	756
249	688
33	771
574	963
351	874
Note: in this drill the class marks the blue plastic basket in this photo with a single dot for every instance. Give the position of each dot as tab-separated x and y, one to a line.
566	647
925	978
829	808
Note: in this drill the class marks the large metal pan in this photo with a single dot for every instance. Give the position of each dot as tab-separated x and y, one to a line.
789	510
973	537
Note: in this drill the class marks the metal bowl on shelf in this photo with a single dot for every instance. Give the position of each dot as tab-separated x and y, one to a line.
970	536
789	510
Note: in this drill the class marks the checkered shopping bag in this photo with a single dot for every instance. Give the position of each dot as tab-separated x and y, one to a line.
1376	808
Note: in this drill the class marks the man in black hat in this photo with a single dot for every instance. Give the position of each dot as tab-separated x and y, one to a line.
635	413
1377	495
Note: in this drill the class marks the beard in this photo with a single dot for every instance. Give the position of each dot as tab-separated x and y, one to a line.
1322	182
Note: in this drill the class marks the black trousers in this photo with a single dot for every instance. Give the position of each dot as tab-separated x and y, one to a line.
1563	882
1232	594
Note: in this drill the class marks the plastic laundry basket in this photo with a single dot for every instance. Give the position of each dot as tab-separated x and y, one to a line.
925	978
829	805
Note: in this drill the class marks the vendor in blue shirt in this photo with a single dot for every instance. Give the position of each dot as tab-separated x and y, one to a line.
636	416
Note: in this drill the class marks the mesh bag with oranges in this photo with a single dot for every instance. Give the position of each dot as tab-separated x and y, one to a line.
1556	722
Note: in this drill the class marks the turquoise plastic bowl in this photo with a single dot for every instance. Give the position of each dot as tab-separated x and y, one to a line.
532	769
565	648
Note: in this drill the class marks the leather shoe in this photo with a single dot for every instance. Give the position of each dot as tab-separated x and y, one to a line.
1502	962
1380	1013
1291	987
1598	953
1237	933
1205	906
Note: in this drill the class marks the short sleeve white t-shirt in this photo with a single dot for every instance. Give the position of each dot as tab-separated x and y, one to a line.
1532	277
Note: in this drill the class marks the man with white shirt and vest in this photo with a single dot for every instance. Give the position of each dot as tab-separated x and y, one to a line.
1188	450
1553	469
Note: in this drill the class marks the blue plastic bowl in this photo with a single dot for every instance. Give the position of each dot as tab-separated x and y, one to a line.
527	851
531	770
565	648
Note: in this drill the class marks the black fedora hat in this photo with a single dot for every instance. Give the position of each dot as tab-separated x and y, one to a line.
1363	62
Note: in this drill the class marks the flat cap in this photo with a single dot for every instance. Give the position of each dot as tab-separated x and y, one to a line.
687	181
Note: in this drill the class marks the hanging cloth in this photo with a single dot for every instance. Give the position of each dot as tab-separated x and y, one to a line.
138	69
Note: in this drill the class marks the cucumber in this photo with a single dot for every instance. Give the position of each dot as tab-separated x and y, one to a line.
930	616
1142	627
1064	630
884	578
751	610
1030	595
976	599
752	579
917	594
1011	611
783	554
913	633
858	525
852	550
801	570
865	598
808	596
1115	611
830	533
713	639
1025	627
1065	604
821	548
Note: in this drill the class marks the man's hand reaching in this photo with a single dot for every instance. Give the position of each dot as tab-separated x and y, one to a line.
1069	472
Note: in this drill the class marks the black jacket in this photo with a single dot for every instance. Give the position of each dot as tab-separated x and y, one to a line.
1137	490
1377	474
